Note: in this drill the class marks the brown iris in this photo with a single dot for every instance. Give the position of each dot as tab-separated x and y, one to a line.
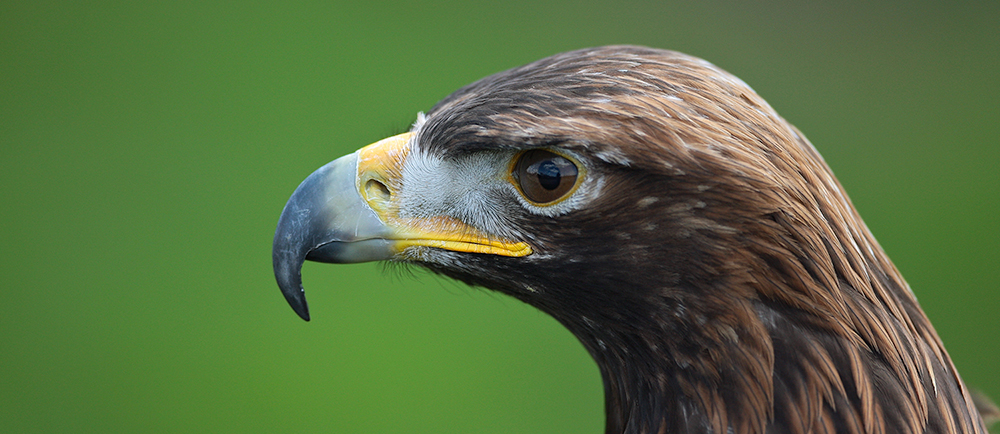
543	176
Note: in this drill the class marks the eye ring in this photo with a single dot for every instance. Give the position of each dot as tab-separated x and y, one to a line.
544	177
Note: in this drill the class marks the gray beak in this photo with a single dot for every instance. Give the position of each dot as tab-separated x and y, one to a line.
325	220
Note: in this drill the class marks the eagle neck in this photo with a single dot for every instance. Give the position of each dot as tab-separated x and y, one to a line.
663	380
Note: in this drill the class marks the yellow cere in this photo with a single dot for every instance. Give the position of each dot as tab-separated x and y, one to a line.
380	168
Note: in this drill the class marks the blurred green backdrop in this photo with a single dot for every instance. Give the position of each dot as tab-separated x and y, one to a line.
147	148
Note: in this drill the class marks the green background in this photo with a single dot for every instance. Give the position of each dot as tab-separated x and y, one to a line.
147	149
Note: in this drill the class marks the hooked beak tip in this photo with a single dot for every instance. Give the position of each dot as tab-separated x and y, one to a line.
288	273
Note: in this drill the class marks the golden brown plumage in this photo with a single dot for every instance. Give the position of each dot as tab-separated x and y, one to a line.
709	260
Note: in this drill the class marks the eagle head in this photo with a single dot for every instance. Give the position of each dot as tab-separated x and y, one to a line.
692	239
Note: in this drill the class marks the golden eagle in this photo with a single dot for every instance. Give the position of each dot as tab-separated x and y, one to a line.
693	241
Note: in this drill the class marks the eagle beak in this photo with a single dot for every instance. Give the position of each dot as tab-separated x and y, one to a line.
348	211
325	220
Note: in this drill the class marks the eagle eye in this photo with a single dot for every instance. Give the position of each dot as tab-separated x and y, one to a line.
544	177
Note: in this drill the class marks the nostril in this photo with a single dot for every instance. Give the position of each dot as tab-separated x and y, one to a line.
376	190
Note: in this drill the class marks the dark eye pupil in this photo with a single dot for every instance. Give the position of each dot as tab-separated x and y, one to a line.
548	175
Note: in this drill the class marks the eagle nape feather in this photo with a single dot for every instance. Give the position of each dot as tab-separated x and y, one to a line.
694	242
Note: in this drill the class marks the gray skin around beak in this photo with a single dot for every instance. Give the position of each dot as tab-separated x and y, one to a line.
326	220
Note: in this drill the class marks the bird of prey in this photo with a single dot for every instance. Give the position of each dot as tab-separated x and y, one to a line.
694	242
